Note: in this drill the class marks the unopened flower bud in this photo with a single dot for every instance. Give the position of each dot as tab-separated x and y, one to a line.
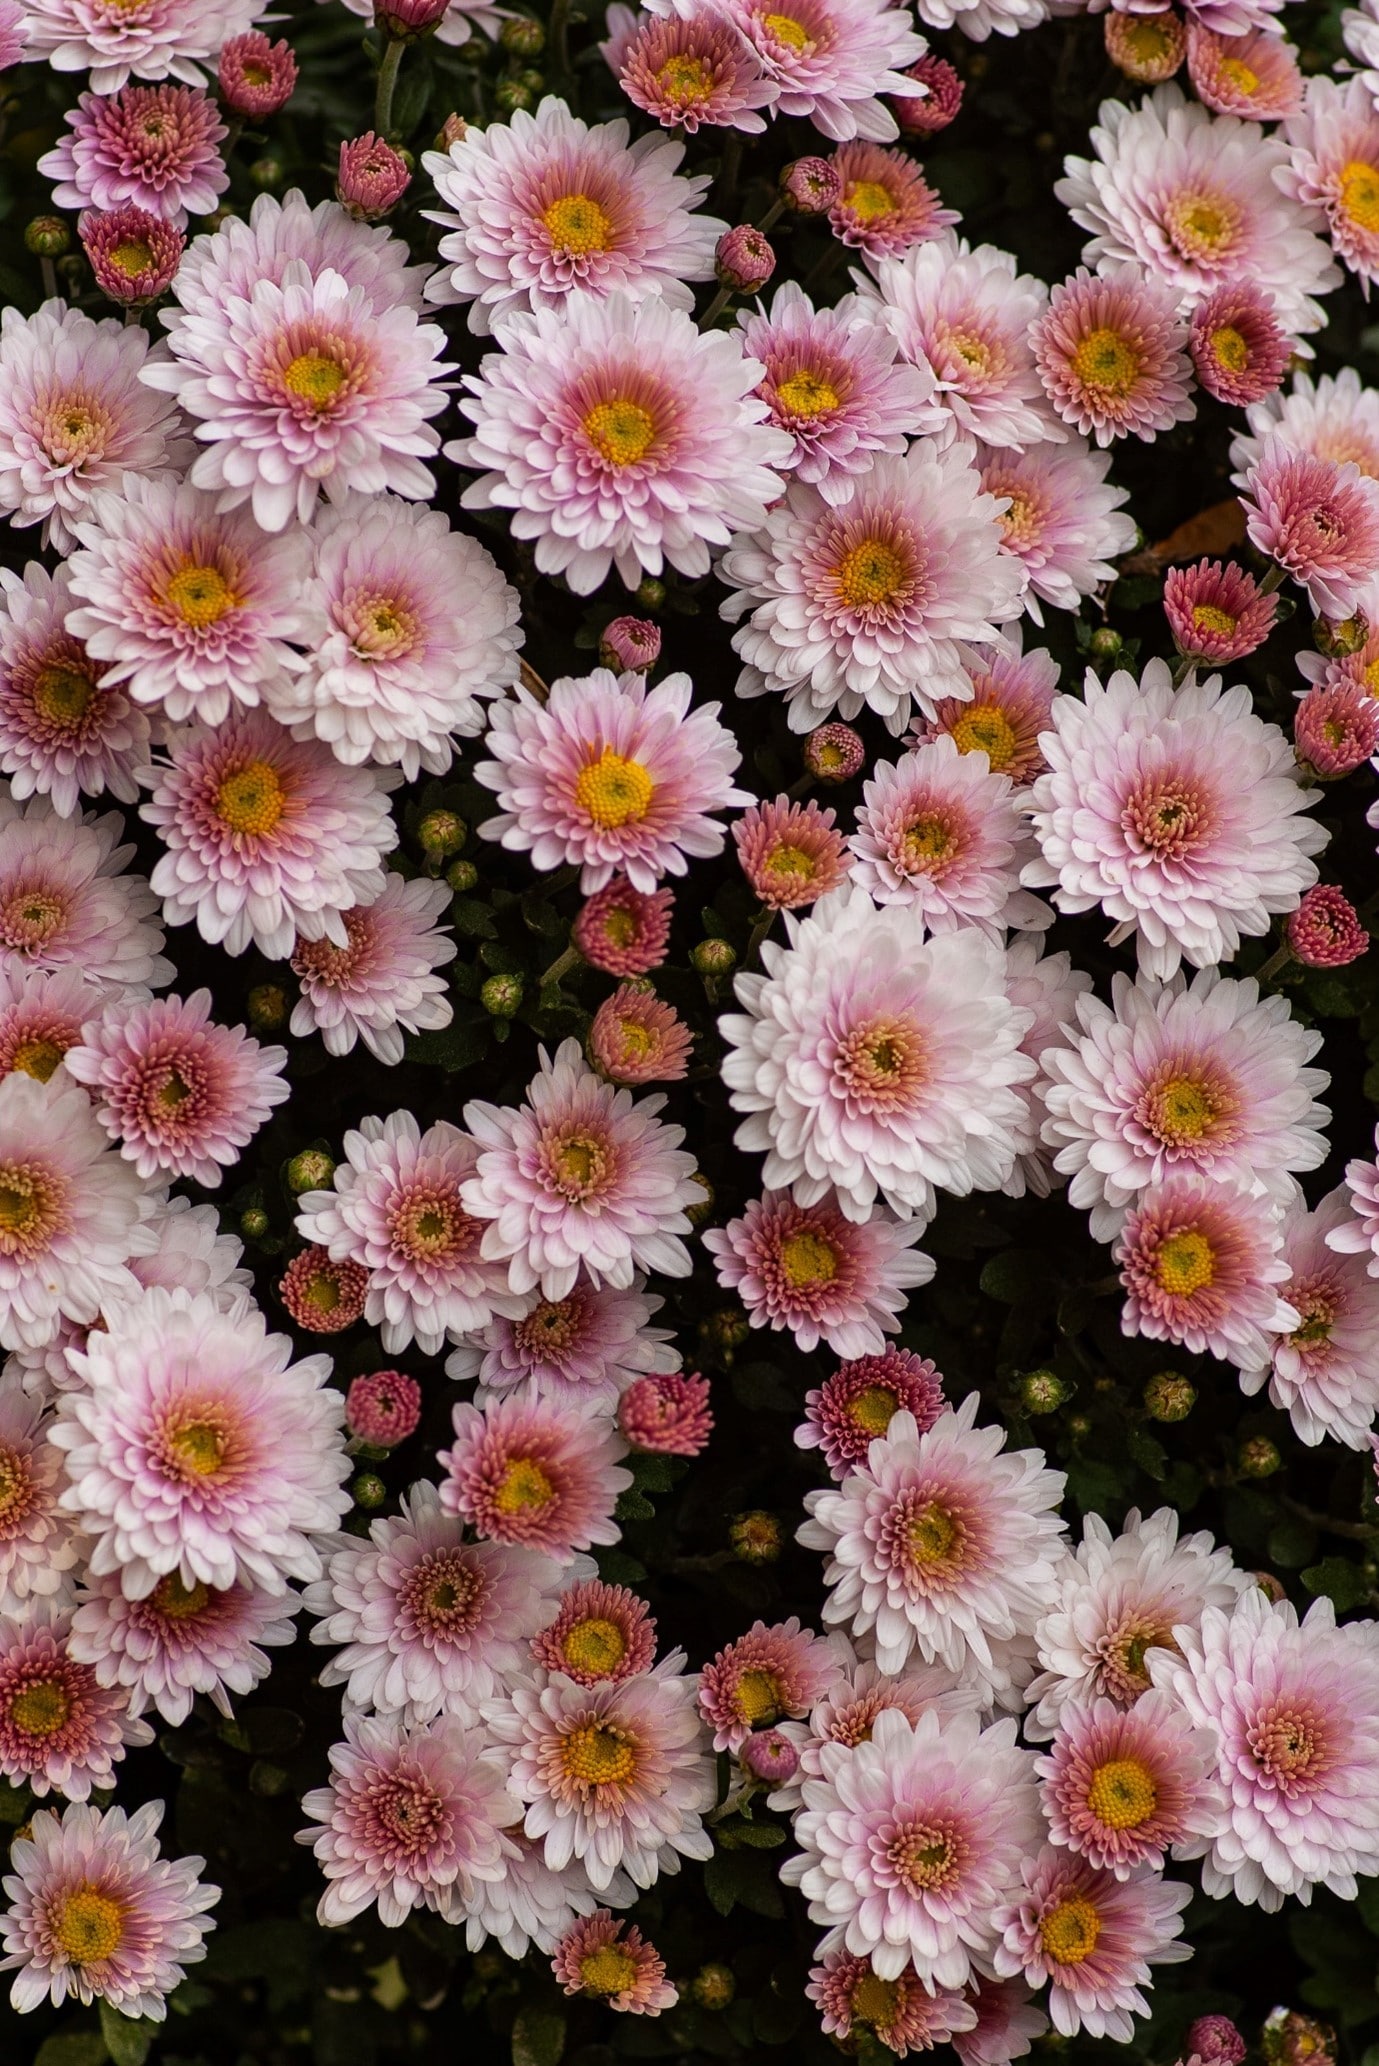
713	1987
743	259
1147	48
441	834
651	593
756	1537
369	1491
383	1408
1272	1588
1259	1457
1169	1396
501	996
254	1223
811	186
47	236
1325	930
723	1333
1338	640
630	645
454	129
462	877
255	77
134	255
1215	2041
266	1008
713	958
311	1169
407	21
1291	2039
1079	1426
834	753
266	173
936	110
522	36
702	1209
1105	643
372	178
511	96
1042	1391
770	1756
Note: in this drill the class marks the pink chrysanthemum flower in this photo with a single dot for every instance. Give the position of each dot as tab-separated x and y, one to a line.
942	100
940	1542
323	1296
1210	1079
180	1094
59	1729
861	1399
1192	198
254	76
901	2013
1111	352
532	1905
383	1408
1122	1787
66	730
67	900
876	1062
1205	1269
1255	75
667	1413
610	1962
622	437
1177	811
96	1914
1318	520
405	625
133	255
1047	987
856	1694
687	73
869	601
269	839
154	146
371	177
819	1275
602	1632
162	1651
1148	48
1294	1709
541	1476
611	776
14	33
1325	931
197	1446
37	1549
1119	1598
183	604
75	416
383	983
617	1775
423	1622
833	61
790	853
1238	347
305	386
911	1840
542	204
1093	1938
581	1177
152	39
885	206
1325	1374
767	1676
229	265
622	930
1330	416
963	316
580	1350
1011	698
410	1819
835	384
940	833
1063	520
636	1038
1217	612
1335	728
1333	166
1006	2026
397	1208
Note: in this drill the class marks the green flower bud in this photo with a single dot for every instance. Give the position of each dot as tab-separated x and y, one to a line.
713	957
441	834
266	1008
311	1170
1042	1391
713	1986
369	1490
462	877
47	236
1169	1396
501	996
756	1537
1259	1457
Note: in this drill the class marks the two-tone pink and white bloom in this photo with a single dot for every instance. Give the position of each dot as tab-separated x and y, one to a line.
1093	1937
153	39
228	266
1333	165
1063	520
384	983
689	72
68	900
611	776
1111	349
1011	697
1048	987
1318	518
535	1475
1332	415
1205	1268
66	729
1123	1786
1324	1374
834	62
856	1694
60	1729
1358	1234
820	1273
1177	811
150	147
583	1349
764	1677
1255	74
180	1640
543	204
901	2013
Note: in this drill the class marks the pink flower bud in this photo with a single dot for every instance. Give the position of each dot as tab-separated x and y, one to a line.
1216	2041
323	1296
256	77
938	107
407	21
1216	612
372	178
383	1408
667	1414
834	753
770	1756
811	186
134	255
1325	930
630	645
1335	728
743	259
622	930
638	1038
1146	47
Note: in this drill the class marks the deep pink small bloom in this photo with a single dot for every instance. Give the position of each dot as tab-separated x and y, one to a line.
810	186
60	1730
1238	345
134	255
1148	48
1318	519
630	645
157	146
1110	353
1204	1268
545	1477
771	1674
371	179
638	1038
323	1296
1216	612
770	1756
405	21
610	1961
383	1408
256	77
667	1413
884	204
602	1632
1215	2041
687	74
1325	930
623	931
855	1406
1009	707
790	853
939	107
824	1277
834	753
1121	1787
743	259
901	2013
1256	76
1335	728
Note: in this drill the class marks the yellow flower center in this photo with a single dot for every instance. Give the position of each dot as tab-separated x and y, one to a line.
1146	41
1122	1794
932	1534
789	863
1238	74
1107	362
925	841
200	595
874	1409
807	395
579	1165
40	1710
383	627
1318	1317
595	1646
1359	184
607	1971
1069	1932
1202	226
178	1602
251	801
757	1698
1184	1110
598	1756
621	431
685	79
871	575
984	728
635	1040
1185	1263
874	2001
315	378
1229	349
523	1487
923	1857
868	200
89	1926
63	694
614	791
15	1483
199	1447
793	34
1208	617
576	226
132	257
37	1058
22	1202
807	1259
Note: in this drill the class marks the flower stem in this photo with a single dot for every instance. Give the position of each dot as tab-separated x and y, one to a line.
759	932
561	967
1272	580
715	308
387	86
1277	961
559	32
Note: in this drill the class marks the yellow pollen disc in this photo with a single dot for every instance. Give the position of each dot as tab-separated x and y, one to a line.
1201	224
21	1203
609	1970
576	226
874	1409
1122	1794
1229	349
1187	1109
868	200
89	1926
871	574
15	1482
1069	1932
925	841
132	257
1107	362
1239	75
807	1259
1185	1264
614	791
621	431
63	694
200	595
314	378
784	27
579	1163
37	1058
1207	617
523	1488
199	1447
1359	192
983	728
1146	41
619	928
789	863
178	1602
757	1698
807	394
874	2001
932	1534
1318	1319
323	1294
251	801
256	75
598	1756
685	79
595	1646
636	1040
174	1093
40	1710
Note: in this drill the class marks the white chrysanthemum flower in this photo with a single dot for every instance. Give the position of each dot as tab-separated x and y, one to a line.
1329	415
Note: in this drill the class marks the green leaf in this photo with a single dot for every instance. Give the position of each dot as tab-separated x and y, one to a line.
72	2048
1150	1455
1018	1276
1291	1543
743	1878
473	919
127	2039
1337	1580
632	1507
538	2037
